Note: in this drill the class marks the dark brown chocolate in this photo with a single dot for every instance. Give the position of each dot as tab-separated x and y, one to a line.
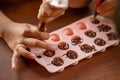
112	36
28	49
99	42
57	61
95	21
42	27
49	53
72	54
38	56
76	40
90	33
63	45
86	48
104	28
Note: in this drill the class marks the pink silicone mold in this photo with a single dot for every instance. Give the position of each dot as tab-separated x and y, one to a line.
68	31
54	37
77	41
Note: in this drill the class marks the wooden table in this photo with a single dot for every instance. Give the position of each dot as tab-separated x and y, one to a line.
102	66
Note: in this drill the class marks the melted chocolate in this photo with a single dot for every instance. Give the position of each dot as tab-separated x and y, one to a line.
42	27
99	42
49	53
95	21
38	56
86	48
112	36
76	40
57	61
63	45
72	54
104	28
28	49
90	33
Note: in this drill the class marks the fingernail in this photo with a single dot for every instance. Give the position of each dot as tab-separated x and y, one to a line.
13	67
99	10
32	56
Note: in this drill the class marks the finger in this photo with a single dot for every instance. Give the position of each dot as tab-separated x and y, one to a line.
38	43
41	35
35	33
106	7
14	60
97	3
109	13
21	50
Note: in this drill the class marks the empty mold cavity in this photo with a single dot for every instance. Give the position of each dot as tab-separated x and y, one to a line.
49	53
68	31
57	61
81	26
55	37
76	40
94	20
72	54
90	33
104	28
87	48
99	41
63	45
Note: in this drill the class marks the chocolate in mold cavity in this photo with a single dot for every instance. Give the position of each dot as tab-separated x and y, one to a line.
76	40
57	61
72	54
38	56
86	48
68	31
49	53
104	28
90	33
63	45
112	36
81	26
99	41
94	20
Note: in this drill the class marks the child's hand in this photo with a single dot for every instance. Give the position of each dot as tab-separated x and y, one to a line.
107	8
20	36
51	9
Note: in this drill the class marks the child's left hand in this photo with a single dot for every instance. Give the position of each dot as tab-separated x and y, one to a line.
21	35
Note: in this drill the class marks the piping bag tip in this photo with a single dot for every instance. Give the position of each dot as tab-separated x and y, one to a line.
41	27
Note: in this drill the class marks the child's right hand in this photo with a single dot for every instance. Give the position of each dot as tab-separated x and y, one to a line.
107	8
